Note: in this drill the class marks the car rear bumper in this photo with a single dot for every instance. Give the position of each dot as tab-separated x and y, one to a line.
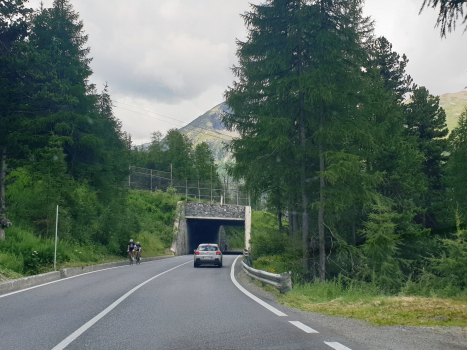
214	261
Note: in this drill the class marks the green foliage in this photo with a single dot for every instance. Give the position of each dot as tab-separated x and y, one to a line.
235	236
155	213
380	250
265	237
451	265
456	171
175	149
144	216
26	254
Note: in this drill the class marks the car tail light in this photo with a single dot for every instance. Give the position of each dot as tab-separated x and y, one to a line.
196	253
218	253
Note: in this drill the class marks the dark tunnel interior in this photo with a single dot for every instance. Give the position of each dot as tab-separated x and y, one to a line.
206	231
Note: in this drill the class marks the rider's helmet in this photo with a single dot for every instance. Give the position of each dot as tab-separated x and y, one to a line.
137	242
131	241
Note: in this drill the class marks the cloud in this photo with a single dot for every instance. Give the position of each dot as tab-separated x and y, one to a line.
173	57
439	64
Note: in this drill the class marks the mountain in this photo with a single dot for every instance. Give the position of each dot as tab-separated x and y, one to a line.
453	104
210	129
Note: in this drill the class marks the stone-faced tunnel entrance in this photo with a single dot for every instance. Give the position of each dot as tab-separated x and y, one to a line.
201	223
206	231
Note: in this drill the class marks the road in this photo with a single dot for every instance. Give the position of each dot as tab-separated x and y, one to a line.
165	304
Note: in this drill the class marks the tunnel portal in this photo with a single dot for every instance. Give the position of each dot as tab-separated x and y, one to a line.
198	223
206	231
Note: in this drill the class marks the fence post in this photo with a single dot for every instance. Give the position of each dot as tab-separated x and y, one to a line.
237	196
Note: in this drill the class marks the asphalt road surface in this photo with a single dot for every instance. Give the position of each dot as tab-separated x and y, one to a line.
165	304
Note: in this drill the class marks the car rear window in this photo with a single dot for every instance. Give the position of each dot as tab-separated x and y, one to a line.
207	248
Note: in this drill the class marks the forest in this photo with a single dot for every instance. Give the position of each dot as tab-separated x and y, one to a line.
62	145
364	179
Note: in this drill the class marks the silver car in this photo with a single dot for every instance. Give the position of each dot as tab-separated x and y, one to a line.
208	254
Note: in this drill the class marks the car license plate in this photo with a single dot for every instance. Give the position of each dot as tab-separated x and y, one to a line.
207	257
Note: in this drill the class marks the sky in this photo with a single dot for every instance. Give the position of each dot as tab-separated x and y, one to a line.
166	62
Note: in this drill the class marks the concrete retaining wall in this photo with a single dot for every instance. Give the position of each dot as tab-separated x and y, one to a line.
180	241
26	282
32	281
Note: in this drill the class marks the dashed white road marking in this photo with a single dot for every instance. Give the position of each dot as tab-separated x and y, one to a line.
258	300
303	327
64	343
336	345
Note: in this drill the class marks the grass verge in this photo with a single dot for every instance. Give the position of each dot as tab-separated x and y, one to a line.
326	299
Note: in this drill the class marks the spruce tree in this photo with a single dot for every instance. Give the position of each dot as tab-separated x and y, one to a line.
426	126
456	171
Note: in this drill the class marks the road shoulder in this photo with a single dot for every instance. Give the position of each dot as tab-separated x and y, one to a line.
373	337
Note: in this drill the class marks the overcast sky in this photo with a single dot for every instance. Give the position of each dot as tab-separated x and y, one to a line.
173	57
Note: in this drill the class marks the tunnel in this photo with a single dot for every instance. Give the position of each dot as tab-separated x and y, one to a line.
206	231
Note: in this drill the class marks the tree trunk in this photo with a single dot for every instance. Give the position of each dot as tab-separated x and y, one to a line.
2	194
295	214
424	215
305	202
322	251
354	237
279	211
290	215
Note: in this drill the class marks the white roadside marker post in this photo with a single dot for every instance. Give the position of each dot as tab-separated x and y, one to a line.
56	235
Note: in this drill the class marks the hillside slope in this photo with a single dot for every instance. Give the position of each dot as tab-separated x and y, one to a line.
453	104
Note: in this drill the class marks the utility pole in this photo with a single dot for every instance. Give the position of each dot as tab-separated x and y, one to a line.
151	180
171	178
211	183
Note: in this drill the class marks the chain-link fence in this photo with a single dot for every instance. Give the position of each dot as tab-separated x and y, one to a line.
206	191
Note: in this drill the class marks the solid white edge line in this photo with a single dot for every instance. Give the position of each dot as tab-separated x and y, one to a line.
66	278
64	343
258	300
336	345
303	327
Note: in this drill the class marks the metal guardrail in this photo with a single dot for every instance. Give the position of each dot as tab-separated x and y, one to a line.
282	282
